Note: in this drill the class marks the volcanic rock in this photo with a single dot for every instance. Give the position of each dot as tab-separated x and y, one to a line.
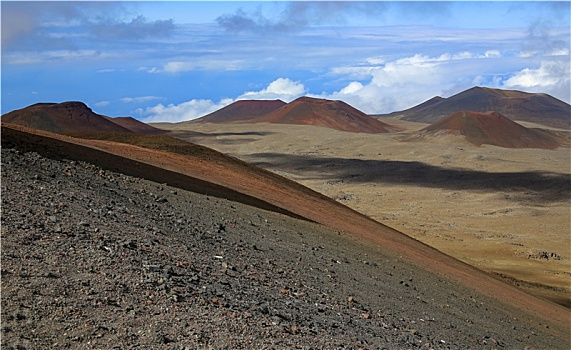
326	113
241	111
65	117
490	128
136	126
152	275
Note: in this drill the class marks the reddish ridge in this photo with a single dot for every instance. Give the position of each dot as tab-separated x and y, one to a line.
326	113
491	128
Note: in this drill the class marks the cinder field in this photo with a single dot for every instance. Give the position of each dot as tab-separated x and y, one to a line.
506	211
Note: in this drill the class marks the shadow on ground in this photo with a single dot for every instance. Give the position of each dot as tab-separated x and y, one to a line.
193	136
534	186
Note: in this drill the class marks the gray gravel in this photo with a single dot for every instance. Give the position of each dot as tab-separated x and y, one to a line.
93	259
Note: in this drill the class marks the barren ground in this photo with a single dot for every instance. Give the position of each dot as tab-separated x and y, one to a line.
117	252
502	210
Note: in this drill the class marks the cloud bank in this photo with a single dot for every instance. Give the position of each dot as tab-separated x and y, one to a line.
551	77
281	88
377	56
51	24
297	15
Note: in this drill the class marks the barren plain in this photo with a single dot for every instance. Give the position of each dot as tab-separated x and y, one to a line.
505	211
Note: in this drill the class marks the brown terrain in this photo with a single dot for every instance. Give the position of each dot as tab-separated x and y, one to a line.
225	177
241	110
325	113
134	125
344	171
505	210
492	128
65	117
516	105
74	117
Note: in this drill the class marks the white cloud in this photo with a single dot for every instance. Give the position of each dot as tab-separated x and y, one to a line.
181	112
352	88
281	88
493	54
102	103
393	85
552	77
381	86
205	64
139	99
177	67
560	52
54	56
418	69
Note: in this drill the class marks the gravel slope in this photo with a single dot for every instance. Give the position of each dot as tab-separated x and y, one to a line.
96	259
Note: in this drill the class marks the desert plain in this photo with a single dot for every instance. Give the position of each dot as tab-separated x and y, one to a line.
505	211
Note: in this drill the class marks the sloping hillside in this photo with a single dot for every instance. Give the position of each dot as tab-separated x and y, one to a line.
136	126
133	263
490	128
241	111
515	105
65	117
245	181
326	113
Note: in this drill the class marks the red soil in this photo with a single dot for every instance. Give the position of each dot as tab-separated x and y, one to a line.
65	117
492	128
331	114
239	178
515	105
135	126
241	111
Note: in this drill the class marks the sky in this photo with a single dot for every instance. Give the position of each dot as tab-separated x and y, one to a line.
180	60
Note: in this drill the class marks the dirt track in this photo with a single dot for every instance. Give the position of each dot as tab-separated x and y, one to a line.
428	265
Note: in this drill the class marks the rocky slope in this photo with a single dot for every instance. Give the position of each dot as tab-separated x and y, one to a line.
92	258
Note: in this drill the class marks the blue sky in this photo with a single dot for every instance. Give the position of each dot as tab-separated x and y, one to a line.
175	61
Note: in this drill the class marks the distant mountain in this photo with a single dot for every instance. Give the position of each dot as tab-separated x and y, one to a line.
136	126
65	117
241	110
326	113
515	105
491	128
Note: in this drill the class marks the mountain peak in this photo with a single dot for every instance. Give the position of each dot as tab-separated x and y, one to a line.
513	104
65	117
241	111
332	114
490	128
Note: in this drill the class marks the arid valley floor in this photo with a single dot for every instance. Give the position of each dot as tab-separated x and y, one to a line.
505	211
